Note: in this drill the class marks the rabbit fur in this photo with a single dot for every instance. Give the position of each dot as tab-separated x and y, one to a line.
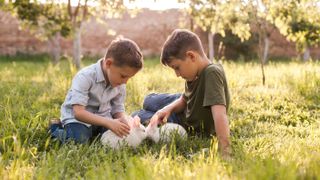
165	132
135	137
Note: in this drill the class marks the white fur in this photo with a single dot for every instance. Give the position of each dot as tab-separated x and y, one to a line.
153	132
165	132
136	135
170	129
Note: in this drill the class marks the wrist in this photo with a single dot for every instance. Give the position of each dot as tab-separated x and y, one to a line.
224	146
107	123
167	109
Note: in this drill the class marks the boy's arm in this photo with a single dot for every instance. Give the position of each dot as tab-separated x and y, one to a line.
221	125
119	128
176	106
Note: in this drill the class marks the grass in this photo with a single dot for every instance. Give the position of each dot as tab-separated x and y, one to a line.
276	128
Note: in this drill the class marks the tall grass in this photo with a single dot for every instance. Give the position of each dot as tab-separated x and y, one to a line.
276	128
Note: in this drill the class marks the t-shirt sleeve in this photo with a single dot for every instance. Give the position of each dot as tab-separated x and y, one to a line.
184	96
80	90
117	103
214	93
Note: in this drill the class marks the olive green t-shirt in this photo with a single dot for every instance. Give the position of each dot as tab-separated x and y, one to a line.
210	88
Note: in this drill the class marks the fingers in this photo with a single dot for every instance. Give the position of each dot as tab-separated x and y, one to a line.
162	119
126	119
122	130
165	119
126	128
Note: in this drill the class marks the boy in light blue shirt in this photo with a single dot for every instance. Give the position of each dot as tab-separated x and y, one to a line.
95	101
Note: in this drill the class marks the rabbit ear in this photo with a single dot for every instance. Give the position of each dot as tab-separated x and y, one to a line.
154	120
136	121
136	118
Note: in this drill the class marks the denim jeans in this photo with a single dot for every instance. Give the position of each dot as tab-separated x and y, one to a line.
154	102
77	132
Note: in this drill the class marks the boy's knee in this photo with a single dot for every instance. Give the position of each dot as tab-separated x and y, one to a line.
148	100
78	132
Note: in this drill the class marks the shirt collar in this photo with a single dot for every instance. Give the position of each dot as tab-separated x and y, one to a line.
100	75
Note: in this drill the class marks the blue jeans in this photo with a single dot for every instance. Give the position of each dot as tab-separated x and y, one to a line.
154	102
77	132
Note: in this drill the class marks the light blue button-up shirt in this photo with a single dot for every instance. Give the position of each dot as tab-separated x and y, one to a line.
90	89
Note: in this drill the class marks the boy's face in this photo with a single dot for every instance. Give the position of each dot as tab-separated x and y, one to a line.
186	68
119	75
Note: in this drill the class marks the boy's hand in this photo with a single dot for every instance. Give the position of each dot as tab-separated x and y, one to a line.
225	153
120	128
160	117
125	119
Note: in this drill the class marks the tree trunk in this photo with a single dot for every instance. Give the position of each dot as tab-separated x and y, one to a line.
306	54
191	24
261	56
266	49
77	47
263	75
55	48
211	45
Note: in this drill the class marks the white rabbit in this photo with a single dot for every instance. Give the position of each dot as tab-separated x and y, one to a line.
165	132
153	132
136	135
169	129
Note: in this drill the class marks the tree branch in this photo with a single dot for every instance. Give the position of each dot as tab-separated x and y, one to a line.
69	9
85	10
77	9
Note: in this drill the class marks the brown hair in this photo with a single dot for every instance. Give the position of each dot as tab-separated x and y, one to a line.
125	52
178	43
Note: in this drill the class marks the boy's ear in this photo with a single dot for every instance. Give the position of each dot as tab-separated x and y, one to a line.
191	55
109	62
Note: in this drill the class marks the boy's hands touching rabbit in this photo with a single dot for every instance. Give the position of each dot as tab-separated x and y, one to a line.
160	117
120	126
133	139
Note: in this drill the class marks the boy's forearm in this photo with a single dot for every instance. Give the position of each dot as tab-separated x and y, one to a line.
223	135
222	129
176	106
84	116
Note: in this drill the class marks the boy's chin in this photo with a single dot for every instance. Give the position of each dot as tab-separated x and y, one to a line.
115	85
184	78
189	79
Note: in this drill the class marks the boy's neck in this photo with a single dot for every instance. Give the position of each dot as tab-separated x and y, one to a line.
202	64
104	71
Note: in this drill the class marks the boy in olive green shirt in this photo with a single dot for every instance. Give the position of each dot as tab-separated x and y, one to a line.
202	109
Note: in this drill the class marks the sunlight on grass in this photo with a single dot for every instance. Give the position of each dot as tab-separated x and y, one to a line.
276	127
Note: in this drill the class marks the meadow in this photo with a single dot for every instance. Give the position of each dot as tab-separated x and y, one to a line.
275	128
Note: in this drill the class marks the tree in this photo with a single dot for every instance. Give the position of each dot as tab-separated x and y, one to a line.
80	13
215	16
261	19
298	21
259	14
53	18
45	20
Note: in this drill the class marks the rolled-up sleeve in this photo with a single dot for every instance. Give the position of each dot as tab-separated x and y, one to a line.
117	103
80	90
